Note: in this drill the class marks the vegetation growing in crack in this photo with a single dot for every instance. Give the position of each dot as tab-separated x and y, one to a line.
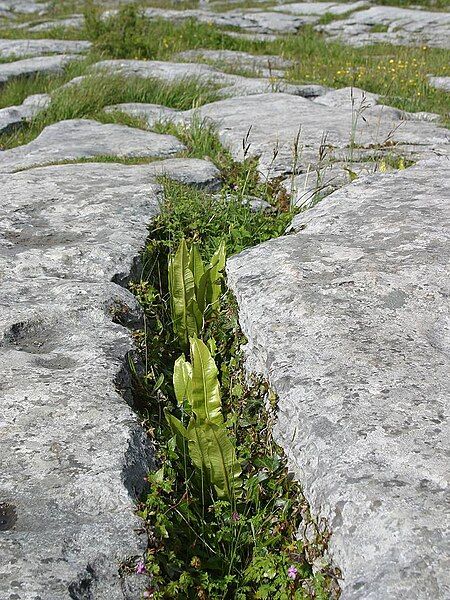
222	510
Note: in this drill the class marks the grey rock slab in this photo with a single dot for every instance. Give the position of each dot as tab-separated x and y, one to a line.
321	8
440	83
348	97
254	37
265	65
24	6
11	48
228	84
348	319
74	455
167	71
404	26
263	21
252	21
195	172
367	103
73	22
81	138
13	116
270	124
33	66
153	113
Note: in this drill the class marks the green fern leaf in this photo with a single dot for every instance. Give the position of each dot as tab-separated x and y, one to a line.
205	395
182	381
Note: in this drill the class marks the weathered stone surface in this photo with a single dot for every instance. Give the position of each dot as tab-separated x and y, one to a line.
33	66
228	84
153	113
74	455
73	22
404	26
82	138
10	48
440	83
13	116
348	319
263	65
195	172
366	104
260	22
321	8
252	21
261	120
24	6
254	37
348	97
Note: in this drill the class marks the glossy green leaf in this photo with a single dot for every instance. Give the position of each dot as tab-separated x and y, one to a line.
196	264
215	276
182	381
182	295
205	396
211	451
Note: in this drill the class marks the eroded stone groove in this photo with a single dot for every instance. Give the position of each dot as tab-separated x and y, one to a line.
348	319
73	453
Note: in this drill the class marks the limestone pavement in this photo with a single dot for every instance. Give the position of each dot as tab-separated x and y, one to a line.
347	317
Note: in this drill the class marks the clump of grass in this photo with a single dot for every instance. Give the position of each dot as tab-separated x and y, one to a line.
16	90
202	218
199	137
128	34
88	98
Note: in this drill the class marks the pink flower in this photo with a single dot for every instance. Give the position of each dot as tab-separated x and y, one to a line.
235	517
292	572
140	568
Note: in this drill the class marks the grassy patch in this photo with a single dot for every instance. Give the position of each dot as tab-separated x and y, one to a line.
205	219
57	32
16	90
130	35
379	28
398	73
200	139
88	98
